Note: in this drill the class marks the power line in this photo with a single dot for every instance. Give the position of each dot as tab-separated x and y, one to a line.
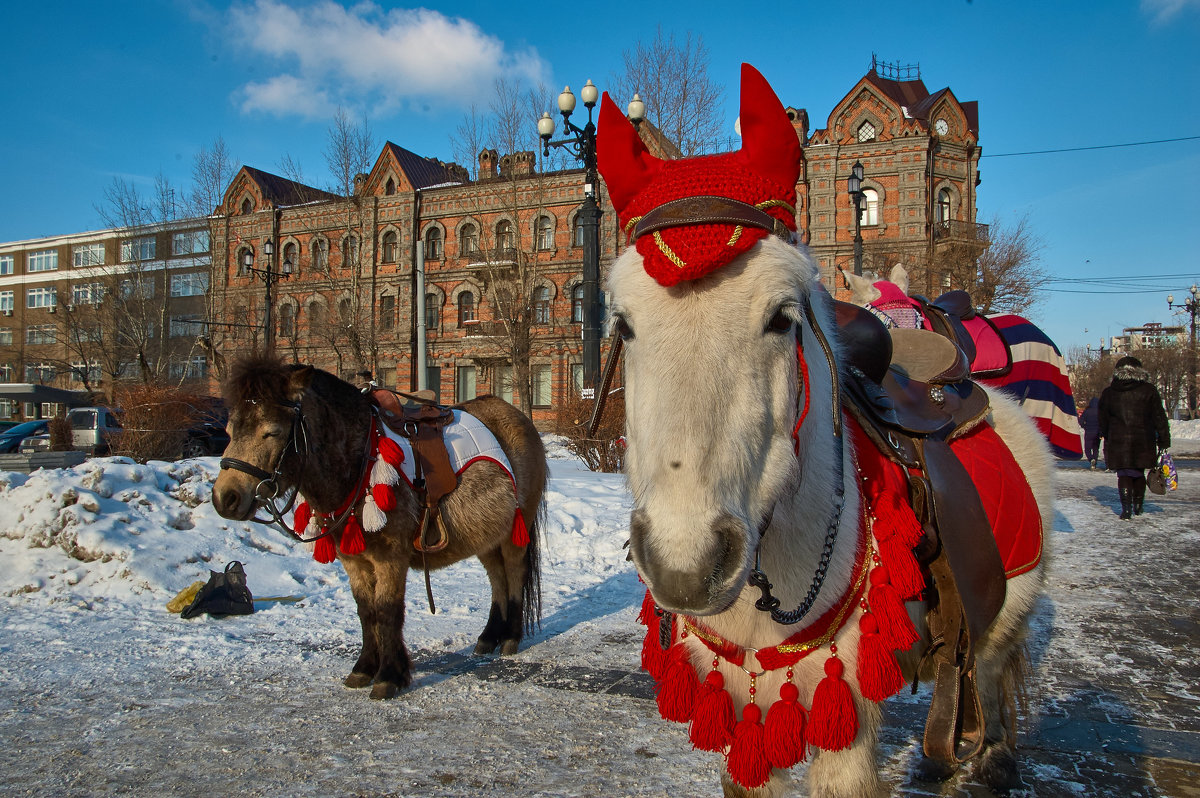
1081	149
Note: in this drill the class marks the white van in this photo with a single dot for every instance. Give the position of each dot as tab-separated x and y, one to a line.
93	430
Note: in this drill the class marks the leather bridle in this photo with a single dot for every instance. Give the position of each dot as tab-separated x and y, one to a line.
268	489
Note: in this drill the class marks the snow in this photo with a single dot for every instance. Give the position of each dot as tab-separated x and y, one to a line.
104	692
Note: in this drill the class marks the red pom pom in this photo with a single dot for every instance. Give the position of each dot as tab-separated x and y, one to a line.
391	453
712	722
878	673
903	571
832	722
678	687
323	550
520	532
384	496
352	537
747	760
785	729
895	627
300	519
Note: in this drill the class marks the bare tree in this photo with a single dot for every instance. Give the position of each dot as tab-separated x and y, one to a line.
681	99
212	171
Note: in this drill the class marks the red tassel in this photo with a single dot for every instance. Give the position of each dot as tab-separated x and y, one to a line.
300	519
323	550
712	722
785	729
878	672
352	537
520	532
747	761
832	723
384	496
894	517
654	659
646	615
391	453
678	686
895	627
903	571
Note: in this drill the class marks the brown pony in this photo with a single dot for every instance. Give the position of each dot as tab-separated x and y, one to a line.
296	427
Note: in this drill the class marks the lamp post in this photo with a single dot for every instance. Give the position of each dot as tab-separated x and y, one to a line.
1190	306
854	185
269	277
581	143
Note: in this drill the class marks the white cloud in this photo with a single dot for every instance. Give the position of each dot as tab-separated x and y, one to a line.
365	56
1163	11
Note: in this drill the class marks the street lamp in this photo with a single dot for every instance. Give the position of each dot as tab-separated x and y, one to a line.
1190	306
854	185
581	143
269	277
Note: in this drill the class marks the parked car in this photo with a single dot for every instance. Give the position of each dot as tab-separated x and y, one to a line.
5	426
93	430
10	439
207	436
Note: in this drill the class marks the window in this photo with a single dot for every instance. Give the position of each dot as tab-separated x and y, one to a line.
390	248
543	230
287	321
40	373
504	383
350	249
81	370
6	264
320	254
6	302
387	312
390	187
41	334
577	236
190	325
8	407
577	304
386	376
86	293
433	307
192	242
6	372
870	207
316	319
468	240
433	244
466	308
41	298
140	287
866	132
45	260
6	338
504	235
88	255
433	381
464	383
194	368
541	305
241	261
247	206
943	205
540	375
137	249
190	284
290	255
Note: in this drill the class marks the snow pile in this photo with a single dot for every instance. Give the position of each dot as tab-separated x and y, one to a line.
1185	430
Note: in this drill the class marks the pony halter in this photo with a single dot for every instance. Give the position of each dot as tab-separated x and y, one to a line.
268	489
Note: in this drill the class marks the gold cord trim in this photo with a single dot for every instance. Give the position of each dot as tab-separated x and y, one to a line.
666	250
737	233
775	203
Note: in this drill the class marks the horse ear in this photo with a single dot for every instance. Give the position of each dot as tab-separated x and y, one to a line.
862	291
899	276
299	381
621	156
769	142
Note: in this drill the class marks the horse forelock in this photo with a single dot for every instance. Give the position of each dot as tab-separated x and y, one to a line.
257	378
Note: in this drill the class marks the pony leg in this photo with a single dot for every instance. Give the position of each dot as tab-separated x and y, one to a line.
779	785
851	772
362	585
395	667
505	613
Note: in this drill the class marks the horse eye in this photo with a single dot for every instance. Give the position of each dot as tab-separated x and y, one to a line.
779	323
623	329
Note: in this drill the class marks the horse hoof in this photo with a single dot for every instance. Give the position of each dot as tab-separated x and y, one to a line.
384	690
997	769
356	680
933	770
485	647
509	647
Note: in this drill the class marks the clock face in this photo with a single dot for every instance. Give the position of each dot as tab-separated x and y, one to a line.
941	127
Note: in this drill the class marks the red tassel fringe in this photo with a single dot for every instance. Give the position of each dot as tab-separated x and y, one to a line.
903	571
384	496
646	615
352	537
520	532
833	722
390	452
747	760
300	519
785	729
712	722
678	687
895	627
323	550
878	672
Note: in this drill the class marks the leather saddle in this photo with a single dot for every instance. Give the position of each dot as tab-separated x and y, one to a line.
912	394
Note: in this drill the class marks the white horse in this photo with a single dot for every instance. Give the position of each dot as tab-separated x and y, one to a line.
721	477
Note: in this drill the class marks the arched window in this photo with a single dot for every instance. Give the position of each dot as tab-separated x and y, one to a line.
241	261
316	319
345	312
320	255
943	205
577	233
287	321
390	187
466	308
247	206
433	307
468	240
504	235
433	243
541	305
866	132
870	207
577	304
543	230
390	247
350	251
291	254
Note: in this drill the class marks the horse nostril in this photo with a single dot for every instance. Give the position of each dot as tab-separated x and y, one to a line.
676	464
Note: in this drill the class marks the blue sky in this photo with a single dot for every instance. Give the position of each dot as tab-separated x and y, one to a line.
134	89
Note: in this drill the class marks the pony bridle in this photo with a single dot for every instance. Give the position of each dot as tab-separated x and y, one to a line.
268	489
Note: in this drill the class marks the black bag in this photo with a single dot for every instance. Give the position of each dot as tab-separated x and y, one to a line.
225	594
1156	480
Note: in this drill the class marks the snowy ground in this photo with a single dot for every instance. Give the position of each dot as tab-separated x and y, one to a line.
103	692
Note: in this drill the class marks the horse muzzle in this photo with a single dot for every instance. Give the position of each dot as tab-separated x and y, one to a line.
706	588
231	500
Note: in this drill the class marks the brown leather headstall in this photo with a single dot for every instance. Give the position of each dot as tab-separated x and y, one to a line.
709	210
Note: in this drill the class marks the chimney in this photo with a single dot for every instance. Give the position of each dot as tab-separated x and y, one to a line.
487	164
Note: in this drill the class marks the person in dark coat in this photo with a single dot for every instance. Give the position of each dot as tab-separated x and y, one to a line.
1133	425
1089	419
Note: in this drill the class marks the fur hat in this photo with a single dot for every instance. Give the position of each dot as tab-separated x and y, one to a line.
1129	360
762	174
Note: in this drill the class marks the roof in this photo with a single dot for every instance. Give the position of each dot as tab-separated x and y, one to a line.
281	191
421	172
906	93
28	392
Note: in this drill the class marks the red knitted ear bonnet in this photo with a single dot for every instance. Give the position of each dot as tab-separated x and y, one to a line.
762	174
